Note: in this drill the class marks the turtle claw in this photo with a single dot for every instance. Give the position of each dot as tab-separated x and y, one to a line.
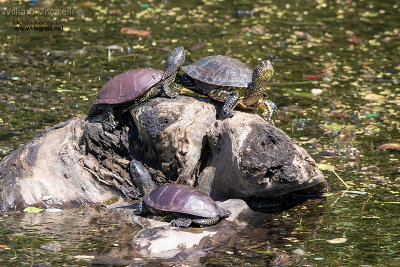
173	95
270	122
225	114
181	222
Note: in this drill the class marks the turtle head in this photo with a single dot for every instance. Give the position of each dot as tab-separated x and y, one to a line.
175	59
263	72
141	177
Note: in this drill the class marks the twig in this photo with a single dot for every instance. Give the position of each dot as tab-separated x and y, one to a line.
336	200
340	179
363	206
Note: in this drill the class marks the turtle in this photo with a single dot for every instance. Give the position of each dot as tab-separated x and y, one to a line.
135	86
185	204
230	81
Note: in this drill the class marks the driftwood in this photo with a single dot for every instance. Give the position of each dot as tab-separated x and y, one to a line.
178	140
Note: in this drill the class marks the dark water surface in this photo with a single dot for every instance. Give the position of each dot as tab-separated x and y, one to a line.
336	85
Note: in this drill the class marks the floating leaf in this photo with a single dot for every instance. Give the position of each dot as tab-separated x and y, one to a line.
337	104
135	32
32	210
372	115
198	46
84	257
304	94
389	146
356	40
87	4
334	128
316	91
338	115
326	167
374	97
313	76
339	240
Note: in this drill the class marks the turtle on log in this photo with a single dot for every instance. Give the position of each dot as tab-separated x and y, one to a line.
185	204
230	81
132	87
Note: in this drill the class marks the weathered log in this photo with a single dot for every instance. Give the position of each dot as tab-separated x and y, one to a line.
178	140
53	170
239	157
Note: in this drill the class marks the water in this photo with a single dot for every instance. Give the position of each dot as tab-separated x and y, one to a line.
345	50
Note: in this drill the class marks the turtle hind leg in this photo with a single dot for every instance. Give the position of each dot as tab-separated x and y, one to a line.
181	222
231	99
104	114
206	221
269	109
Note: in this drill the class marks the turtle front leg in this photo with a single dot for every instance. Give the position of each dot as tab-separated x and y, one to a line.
185	81
206	222
231	98
269	109
142	209
109	123
167	91
181	222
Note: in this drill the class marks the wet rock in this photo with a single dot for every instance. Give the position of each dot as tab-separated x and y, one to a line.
166	243
281	259
160	240
52	246
299	252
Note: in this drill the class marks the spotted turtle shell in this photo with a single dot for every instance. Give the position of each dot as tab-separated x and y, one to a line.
182	199
220	70
128	86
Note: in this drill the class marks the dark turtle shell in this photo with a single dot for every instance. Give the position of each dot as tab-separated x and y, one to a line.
128	86
182	199
220	70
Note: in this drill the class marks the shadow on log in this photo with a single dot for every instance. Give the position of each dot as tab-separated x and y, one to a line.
178	140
